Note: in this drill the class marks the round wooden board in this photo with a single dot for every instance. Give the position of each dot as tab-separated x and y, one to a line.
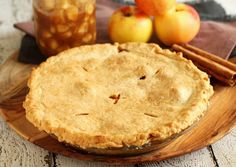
217	122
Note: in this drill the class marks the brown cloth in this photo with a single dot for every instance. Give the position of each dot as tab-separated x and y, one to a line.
217	38
214	37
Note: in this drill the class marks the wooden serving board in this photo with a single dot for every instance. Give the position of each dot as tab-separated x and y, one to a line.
217	122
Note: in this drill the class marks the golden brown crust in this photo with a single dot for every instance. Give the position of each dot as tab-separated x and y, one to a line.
107	95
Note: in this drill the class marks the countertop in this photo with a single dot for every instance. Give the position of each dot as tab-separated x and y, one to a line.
15	151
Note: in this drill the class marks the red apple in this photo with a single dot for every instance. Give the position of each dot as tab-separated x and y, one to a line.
156	7
179	26
128	24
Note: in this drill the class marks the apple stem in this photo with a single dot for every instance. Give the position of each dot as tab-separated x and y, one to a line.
127	14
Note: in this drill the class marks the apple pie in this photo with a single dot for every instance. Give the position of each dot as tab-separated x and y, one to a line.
111	96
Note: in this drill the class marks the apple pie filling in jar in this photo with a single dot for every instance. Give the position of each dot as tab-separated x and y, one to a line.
63	24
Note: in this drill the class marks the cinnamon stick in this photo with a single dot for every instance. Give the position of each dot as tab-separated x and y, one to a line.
216	76
211	56
219	68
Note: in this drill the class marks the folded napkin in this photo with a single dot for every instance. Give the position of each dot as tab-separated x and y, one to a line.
214	37
215	9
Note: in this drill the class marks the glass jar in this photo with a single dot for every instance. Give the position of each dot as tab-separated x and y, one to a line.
62	24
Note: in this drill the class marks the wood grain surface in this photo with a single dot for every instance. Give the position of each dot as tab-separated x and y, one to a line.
221	151
18	150
217	122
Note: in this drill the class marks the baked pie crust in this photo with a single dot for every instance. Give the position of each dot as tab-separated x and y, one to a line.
105	95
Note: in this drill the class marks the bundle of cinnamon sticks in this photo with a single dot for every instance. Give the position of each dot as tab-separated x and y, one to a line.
213	65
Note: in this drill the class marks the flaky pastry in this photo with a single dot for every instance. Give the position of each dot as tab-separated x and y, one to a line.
105	95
